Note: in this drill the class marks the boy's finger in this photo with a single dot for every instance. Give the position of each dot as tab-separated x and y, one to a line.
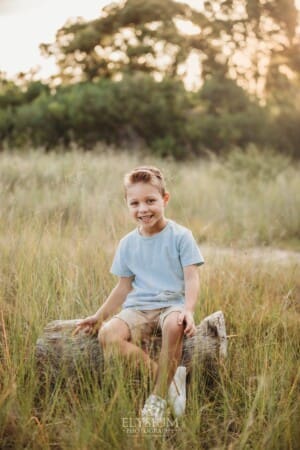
77	329
187	328
192	332
180	318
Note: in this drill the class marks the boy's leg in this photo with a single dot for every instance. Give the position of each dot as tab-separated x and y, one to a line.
170	355
115	335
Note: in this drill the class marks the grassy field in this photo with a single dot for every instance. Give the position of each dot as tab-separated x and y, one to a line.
61	218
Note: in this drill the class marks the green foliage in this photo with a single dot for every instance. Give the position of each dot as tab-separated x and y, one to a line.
136	108
40	123
223	95
16	106
228	117
168	147
6	124
139	111
13	95
286	134
10	94
34	89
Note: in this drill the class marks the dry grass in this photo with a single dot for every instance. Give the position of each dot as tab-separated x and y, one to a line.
61	217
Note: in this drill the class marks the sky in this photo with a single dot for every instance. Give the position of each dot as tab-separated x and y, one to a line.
24	24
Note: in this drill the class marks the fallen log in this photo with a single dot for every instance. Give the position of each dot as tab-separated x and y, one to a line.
60	353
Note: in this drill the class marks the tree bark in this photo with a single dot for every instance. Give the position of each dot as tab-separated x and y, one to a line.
60	354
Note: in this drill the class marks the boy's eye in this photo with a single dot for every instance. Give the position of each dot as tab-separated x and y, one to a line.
151	200
133	203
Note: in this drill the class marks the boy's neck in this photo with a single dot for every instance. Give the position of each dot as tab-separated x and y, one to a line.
151	232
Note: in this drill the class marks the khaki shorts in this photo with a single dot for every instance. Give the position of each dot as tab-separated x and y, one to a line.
144	324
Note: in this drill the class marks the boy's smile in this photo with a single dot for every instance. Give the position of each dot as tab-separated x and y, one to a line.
147	205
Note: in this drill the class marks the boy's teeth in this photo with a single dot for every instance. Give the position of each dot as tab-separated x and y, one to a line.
145	218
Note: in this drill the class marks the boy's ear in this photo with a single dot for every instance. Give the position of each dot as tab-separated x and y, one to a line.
166	198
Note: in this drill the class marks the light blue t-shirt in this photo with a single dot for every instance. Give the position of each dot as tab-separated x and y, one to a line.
156	262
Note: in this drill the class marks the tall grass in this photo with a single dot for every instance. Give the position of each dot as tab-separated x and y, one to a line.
61	217
250	198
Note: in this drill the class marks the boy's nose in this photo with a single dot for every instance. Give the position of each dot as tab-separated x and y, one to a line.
143	207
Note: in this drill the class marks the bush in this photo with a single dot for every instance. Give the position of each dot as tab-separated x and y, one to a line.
137	110
228	118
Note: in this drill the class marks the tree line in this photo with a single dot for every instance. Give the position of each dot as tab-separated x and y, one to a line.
121	80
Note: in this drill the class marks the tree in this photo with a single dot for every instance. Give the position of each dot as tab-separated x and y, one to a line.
251	41
228	117
130	37
259	40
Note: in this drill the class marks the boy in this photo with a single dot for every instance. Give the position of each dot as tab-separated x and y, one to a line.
158	286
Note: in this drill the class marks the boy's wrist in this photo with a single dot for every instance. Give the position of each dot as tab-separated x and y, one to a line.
98	316
189	310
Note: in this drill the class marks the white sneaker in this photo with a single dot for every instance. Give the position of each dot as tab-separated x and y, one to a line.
154	411
177	392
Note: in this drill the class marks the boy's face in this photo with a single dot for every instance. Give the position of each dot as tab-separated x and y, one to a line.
146	206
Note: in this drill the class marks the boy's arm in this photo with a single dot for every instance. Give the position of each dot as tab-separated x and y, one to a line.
192	286
115	299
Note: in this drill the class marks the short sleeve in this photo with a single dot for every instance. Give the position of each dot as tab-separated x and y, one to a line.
119	266
189	250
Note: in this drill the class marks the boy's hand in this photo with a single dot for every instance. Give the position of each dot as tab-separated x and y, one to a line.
187	319
90	325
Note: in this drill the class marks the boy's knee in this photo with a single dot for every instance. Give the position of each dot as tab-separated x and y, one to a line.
109	336
106	337
103	337
171	325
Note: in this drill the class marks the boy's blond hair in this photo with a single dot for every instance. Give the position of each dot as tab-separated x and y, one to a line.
145	174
